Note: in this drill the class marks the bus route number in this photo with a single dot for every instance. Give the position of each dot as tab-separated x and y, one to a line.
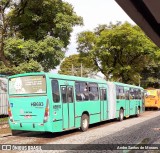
37	104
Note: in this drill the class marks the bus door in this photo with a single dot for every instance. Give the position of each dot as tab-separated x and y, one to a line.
103	103
68	107
127	102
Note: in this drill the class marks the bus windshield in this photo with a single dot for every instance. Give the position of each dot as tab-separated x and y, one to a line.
27	85
151	93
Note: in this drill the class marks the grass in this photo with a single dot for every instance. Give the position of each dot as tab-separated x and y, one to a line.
3	119
4	126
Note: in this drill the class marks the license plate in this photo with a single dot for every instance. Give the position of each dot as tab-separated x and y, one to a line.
27	116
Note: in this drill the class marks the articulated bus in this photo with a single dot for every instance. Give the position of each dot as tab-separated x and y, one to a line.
54	103
152	98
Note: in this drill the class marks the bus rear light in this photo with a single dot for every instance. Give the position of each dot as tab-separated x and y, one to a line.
46	113
10	113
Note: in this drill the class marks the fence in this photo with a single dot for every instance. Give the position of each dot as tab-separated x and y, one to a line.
3	100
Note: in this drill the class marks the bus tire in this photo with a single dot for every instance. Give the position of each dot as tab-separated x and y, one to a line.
138	112
84	123
16	132
121	114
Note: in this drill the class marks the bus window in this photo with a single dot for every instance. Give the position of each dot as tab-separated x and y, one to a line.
120	92
93	91
81	91
28	85
131	94
67	94
64	94
103	94
55	91
139	94
135	93
127	94
70	94
158	93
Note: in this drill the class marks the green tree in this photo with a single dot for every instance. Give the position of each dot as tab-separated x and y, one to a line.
151	73
4	5
40	18
119	51
73	64
34	34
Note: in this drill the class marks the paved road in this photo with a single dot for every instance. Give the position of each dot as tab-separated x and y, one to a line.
142	130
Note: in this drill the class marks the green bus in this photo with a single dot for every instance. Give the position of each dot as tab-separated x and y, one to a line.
54	103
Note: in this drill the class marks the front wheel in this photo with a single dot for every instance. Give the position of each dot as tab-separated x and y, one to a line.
84	122
121	115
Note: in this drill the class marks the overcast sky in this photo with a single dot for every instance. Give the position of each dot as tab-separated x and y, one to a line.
95	12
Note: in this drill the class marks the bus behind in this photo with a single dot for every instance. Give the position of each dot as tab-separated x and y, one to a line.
152	98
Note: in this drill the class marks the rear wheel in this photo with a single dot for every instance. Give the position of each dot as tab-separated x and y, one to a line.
16	132
121	115
84	122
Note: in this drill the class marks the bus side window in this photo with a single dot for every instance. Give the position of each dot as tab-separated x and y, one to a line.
117	92
133	93
103	95
63	94
93	91
70	94
78	93
139	94
120	92
55	91
81	91
127	94
158	93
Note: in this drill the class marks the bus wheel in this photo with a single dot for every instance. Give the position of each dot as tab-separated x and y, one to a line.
84	122
16	132
138	112
121	114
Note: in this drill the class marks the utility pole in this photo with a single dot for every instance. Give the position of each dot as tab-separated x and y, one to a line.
72	70
81	70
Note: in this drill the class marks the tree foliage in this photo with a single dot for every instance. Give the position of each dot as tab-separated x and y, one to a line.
39	18
151	73
76	65
119	51
34	34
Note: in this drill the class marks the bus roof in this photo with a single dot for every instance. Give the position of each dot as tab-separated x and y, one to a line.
60	76
66	77
128	85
